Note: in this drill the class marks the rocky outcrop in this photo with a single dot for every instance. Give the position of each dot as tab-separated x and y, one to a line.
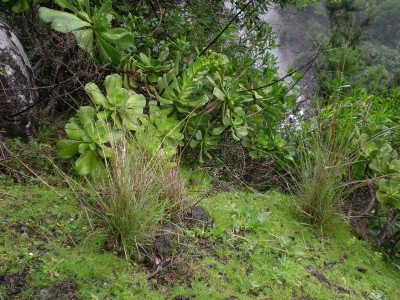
18	95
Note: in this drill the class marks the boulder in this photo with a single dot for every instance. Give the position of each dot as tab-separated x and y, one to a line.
18	95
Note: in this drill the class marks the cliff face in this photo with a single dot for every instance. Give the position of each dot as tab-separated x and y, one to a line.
297	35
283	52
17	89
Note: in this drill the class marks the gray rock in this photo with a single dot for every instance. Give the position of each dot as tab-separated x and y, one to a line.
200	217
18	115
48	293
164	245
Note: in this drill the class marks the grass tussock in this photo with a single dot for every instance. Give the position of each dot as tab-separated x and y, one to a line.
319	176
140	193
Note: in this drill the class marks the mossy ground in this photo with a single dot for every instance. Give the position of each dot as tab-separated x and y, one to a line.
257	249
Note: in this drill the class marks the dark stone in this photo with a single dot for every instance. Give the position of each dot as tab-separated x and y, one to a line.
18	114
164	245
13	284
330	265
200	217
361	270
64	291
47	293
317	273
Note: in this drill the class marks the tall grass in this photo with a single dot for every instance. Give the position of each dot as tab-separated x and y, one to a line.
319	173
141	192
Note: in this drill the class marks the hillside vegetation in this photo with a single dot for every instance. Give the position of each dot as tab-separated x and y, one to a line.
171	160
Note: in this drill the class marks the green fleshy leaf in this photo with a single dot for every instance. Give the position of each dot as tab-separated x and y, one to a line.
194	143
130	119
219	94
136	101
74	131
87	162
67	5
241	131
113	83
67	148
62	21
96	95
105	151
108	53
121	37
86	114
102	132
83	148
84	39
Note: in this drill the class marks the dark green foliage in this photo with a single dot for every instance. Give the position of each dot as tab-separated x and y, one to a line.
341	61
191	105
86	23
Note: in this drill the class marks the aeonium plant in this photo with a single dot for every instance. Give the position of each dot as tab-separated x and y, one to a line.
117	115
384	163
91	131
123	106
90	138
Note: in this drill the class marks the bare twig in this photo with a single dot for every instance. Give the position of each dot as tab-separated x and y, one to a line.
160	267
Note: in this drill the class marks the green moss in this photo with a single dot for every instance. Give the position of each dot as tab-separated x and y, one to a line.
257	249
267	252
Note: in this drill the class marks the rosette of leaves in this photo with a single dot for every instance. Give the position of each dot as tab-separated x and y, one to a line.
382	161
254	113
159	134
145	68
123	106
388	193
189	94
189	90
233	104
111	42
206	94
89	137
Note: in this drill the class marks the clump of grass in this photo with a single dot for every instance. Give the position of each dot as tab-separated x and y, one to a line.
141	192
319	173
318	187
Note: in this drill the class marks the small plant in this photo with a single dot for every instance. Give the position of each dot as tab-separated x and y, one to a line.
122	106
140	193
90	137
92	131
383	163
